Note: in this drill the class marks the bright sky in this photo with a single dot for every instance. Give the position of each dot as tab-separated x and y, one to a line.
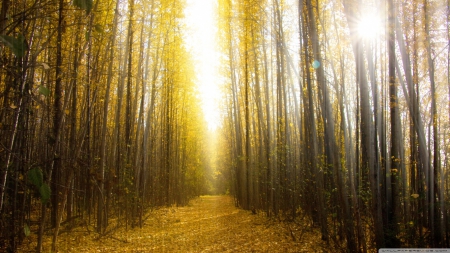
200	39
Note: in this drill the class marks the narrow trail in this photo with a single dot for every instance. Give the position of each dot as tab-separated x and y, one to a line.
207	224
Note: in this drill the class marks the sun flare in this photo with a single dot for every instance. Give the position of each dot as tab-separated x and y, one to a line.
369	26
200	39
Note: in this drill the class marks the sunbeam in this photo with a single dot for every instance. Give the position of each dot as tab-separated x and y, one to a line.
200	39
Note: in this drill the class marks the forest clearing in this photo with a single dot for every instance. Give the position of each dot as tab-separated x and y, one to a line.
207	224
117	114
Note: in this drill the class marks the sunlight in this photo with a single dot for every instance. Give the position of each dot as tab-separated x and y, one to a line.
369	26
200	38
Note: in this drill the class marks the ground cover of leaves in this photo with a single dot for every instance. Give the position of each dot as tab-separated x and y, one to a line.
207	224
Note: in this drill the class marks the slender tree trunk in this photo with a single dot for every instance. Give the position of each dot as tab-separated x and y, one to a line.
393	208
129	119
3	13
311	132
53	173
435	212
261	154
423	163
248	204
268	139
104	130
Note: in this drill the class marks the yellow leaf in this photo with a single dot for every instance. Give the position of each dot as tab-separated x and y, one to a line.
13	106
45	66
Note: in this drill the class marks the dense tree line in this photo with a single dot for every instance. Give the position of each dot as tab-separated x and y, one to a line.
99	115
349	130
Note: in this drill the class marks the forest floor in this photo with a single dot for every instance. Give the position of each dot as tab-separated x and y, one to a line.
207	224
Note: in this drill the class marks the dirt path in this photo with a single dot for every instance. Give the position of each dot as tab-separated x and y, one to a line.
208	224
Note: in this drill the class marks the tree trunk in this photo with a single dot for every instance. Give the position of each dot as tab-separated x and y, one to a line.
433	185
392	229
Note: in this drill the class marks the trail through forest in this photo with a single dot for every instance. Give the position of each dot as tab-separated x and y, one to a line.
207	224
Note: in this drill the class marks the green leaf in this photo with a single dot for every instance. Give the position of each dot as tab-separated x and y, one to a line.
84	4
45	192
17	45
26	230
35	177
44	91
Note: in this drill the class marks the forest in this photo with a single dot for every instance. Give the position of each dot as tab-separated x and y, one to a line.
334	111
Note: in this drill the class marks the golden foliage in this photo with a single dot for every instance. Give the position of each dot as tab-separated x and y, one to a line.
207	224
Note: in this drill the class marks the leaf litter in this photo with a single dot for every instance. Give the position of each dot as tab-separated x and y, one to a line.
207	224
